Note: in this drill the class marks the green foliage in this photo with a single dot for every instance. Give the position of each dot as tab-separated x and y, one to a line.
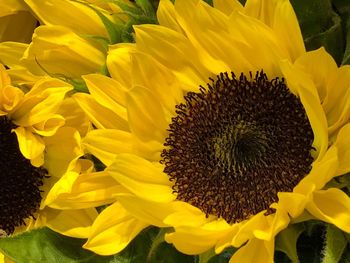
286	241
44	245
334	245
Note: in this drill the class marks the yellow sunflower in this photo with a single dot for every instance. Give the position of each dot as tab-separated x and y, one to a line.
218	125
33	158
70	30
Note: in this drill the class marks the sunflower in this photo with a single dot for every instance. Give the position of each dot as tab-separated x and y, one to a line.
33	158
219	126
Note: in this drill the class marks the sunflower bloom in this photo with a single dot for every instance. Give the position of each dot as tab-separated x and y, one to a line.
33	158
226	132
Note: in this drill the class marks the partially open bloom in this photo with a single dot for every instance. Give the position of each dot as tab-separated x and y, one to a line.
33	158
219	125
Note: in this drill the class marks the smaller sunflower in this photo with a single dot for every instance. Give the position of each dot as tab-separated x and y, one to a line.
218	124
33	158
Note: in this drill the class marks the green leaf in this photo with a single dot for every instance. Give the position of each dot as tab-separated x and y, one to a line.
320	26
310	242
146	7
44	245
335	244
149	246
224	257
206	256
343	8
286	241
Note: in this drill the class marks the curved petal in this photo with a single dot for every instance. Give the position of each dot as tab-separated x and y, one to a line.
79	191
332	206
167	16
105	144
78	17
113	230
320	66
73	223
163	83
280	16
301	85
174	51
227	6
143	178
60	157
57	51
100	116
152	213
31	146
322	172
196	240
11	53
342	144
119	63
107	91
255	251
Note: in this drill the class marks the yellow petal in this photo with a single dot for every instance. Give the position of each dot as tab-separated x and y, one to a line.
10	97
174	51
73	223
337	103
322	172
320	66
280	16
4	77
342	144
57	51
167	16
227	6
110	94
255	251
100	116
11	53
74	116
31	146
17	27
105	144
40	104
142	177
152	213
146	115
301	85
119	63
113	230
163	83
196	240
60	157
76	16
332	206
74	191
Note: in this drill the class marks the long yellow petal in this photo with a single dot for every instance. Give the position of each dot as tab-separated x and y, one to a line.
113	230
74	15
100	116
146	115
143	178
73	223
255	251
280	16
227	6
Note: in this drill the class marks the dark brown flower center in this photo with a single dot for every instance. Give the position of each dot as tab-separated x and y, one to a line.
20	181
237	143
